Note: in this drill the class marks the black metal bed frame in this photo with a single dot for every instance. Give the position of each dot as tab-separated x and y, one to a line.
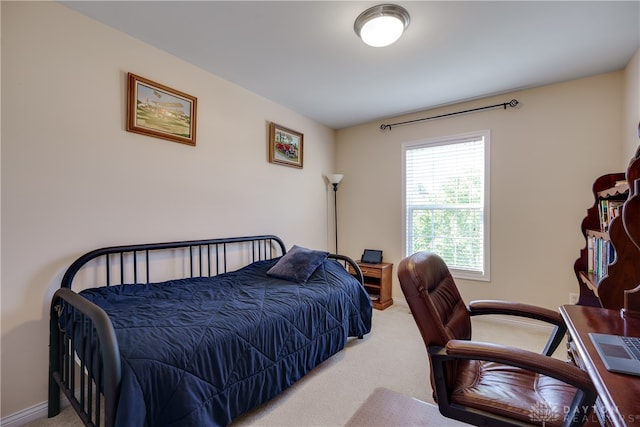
91	383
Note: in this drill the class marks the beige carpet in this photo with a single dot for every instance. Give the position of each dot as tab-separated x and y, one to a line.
392	357
386	408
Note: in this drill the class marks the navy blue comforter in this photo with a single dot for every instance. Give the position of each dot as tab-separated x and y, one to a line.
200	352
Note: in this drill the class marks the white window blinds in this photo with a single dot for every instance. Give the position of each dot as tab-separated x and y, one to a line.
446	201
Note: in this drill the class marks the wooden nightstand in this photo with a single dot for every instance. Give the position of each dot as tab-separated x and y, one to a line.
377	281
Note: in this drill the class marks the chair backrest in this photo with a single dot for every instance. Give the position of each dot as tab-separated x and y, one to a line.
435	302
436	305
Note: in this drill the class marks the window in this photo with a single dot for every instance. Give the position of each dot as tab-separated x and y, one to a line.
446	198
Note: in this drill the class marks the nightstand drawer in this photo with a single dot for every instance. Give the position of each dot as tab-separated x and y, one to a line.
371	272
367	271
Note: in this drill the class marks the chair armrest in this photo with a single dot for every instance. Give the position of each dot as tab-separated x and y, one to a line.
531	361
510	308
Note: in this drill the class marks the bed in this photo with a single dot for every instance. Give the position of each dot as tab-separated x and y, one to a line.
196	332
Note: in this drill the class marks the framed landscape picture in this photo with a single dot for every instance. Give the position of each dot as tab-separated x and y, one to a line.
159	111
285	146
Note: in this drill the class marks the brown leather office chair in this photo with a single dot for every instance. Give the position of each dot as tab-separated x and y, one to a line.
489	384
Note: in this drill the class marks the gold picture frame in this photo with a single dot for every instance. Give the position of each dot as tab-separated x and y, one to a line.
285	146
159	111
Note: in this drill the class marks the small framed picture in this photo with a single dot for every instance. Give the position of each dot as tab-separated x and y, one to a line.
159	111
285	146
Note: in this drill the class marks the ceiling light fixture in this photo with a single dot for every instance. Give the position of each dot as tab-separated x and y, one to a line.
381	25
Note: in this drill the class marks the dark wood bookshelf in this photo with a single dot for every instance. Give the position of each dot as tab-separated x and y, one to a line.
623	234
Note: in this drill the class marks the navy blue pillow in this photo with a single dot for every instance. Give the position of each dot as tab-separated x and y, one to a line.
298	264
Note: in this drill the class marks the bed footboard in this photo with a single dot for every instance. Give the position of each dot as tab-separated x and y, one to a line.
80	327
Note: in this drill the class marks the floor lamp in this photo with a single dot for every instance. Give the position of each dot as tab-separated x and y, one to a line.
335	180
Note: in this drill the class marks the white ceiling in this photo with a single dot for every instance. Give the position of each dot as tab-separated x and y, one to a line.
306	56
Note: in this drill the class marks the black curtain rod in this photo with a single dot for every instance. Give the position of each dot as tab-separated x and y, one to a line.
511	103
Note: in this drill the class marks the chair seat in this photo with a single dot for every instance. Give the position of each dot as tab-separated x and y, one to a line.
512	392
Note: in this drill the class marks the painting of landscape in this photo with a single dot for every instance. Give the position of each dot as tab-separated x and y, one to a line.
159	111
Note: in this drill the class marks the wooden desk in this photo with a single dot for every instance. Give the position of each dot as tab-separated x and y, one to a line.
618	394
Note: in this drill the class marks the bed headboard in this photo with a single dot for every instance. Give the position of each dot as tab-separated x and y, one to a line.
144	263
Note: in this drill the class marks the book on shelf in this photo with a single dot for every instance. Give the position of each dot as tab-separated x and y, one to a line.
590	251
608	210
600	253
603	214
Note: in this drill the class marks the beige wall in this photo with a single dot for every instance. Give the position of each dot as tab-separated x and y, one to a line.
73	179
631	108
544	156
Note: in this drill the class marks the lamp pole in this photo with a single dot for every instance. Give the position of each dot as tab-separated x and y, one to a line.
335	211
334	180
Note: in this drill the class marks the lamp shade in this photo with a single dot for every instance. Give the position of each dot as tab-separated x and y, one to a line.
381	25
335	178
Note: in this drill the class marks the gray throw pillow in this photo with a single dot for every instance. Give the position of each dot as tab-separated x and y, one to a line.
298	264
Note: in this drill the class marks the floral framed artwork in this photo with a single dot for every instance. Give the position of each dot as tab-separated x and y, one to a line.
285	146
157	110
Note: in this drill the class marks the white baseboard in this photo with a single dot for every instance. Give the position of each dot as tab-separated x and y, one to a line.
25	416
32	413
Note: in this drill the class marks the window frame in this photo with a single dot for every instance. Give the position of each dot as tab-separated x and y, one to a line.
485	274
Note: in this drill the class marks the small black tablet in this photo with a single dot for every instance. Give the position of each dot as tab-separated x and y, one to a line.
371	256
